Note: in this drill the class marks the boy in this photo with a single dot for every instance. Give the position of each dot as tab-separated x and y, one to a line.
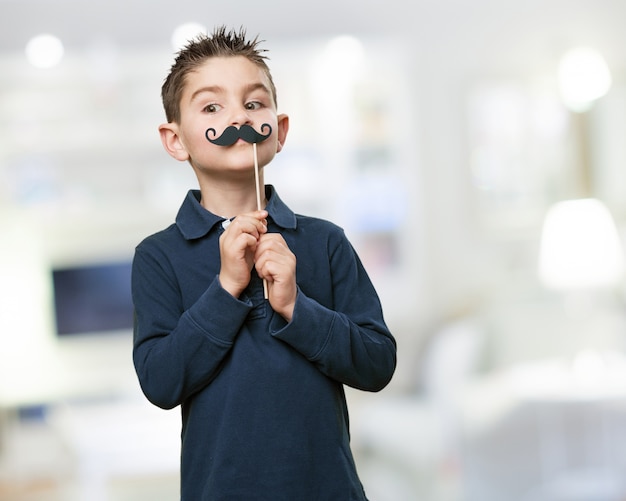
260	381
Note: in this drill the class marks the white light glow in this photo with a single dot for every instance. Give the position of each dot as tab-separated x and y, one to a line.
584	77
580	246
335	71
344	57
44	51
184	33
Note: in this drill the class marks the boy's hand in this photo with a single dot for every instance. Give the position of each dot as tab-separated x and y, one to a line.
277	264
238	245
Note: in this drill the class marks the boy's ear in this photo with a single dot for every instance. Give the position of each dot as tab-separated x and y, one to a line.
171	141
283	128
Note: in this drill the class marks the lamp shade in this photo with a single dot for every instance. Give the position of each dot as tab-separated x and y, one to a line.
580	246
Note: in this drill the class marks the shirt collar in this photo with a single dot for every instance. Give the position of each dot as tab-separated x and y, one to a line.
194	221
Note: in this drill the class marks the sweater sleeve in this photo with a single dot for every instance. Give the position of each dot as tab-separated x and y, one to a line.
178	352
348	342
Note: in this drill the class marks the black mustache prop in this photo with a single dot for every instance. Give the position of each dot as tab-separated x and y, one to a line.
231	134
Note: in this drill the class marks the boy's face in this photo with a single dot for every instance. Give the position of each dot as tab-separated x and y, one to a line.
224	91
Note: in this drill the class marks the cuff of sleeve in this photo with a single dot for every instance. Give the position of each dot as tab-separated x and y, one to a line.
218	314
310	327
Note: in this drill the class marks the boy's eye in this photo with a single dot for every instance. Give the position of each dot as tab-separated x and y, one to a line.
253	105
211	108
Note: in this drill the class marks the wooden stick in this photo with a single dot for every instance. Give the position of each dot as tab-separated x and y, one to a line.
257	182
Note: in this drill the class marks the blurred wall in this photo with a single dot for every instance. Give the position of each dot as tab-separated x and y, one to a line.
389	146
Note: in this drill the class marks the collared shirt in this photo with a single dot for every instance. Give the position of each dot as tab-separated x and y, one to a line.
264	415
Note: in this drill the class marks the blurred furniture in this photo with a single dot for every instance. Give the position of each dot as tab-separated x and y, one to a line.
407	444
550	431
123	438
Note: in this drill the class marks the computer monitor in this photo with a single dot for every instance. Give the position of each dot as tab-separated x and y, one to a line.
92	298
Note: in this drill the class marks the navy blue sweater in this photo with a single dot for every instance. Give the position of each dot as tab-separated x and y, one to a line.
264	414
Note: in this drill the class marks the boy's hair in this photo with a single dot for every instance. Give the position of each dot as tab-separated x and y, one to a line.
220	43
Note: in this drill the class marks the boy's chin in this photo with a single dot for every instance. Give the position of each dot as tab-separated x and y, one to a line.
238	170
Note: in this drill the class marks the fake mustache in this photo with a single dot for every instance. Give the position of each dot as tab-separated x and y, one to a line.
231	134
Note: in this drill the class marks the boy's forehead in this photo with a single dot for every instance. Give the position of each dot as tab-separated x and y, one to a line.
224	72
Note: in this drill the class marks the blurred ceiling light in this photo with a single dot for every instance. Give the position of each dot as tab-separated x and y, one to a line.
584	77
580	247
345	56
335	71
186	32
345	45
44	51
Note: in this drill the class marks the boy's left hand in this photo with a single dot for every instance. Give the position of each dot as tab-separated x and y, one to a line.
275	263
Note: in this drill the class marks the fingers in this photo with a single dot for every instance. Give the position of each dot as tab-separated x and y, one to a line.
252	223
272	248
275	263
242	234
245	243
238	244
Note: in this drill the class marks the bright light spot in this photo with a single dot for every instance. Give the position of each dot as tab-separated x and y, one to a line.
334	73
345	45
580	246
344	56
44	51
184	33
583	77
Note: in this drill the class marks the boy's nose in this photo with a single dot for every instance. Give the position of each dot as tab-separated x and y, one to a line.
240	118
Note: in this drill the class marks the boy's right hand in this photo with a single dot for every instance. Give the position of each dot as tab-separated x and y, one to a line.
237	247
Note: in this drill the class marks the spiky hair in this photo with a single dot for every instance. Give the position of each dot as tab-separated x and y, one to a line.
221	43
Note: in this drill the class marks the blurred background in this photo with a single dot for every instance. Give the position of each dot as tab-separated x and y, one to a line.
475	153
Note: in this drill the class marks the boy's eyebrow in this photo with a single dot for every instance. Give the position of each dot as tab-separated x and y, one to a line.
216	89
257	86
